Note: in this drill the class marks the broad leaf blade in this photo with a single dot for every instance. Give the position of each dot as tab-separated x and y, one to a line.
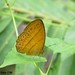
4	22
18	58
7	40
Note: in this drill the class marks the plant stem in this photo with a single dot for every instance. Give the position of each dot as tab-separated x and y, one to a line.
50	65
37	67
41	73
14	23
12	18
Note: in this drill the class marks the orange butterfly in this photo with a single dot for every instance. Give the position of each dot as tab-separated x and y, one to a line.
31	40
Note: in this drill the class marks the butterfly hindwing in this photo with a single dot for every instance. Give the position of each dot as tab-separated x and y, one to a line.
31	40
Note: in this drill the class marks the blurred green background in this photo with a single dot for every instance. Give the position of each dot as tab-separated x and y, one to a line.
59	21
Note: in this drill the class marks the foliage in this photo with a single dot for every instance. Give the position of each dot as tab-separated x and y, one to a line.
59	20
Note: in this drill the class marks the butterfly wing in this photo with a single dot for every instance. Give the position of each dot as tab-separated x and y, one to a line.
31	40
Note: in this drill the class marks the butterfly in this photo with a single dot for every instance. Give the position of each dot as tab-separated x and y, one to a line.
31	41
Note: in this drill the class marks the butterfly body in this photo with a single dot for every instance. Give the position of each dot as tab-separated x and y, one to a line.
31	40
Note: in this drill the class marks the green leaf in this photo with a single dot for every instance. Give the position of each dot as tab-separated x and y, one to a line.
7	40
63	48
11	2
73	67
56	30
62	66
52	41
14	57
2	2
59	46
54	10
70	35
4	22
26	68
